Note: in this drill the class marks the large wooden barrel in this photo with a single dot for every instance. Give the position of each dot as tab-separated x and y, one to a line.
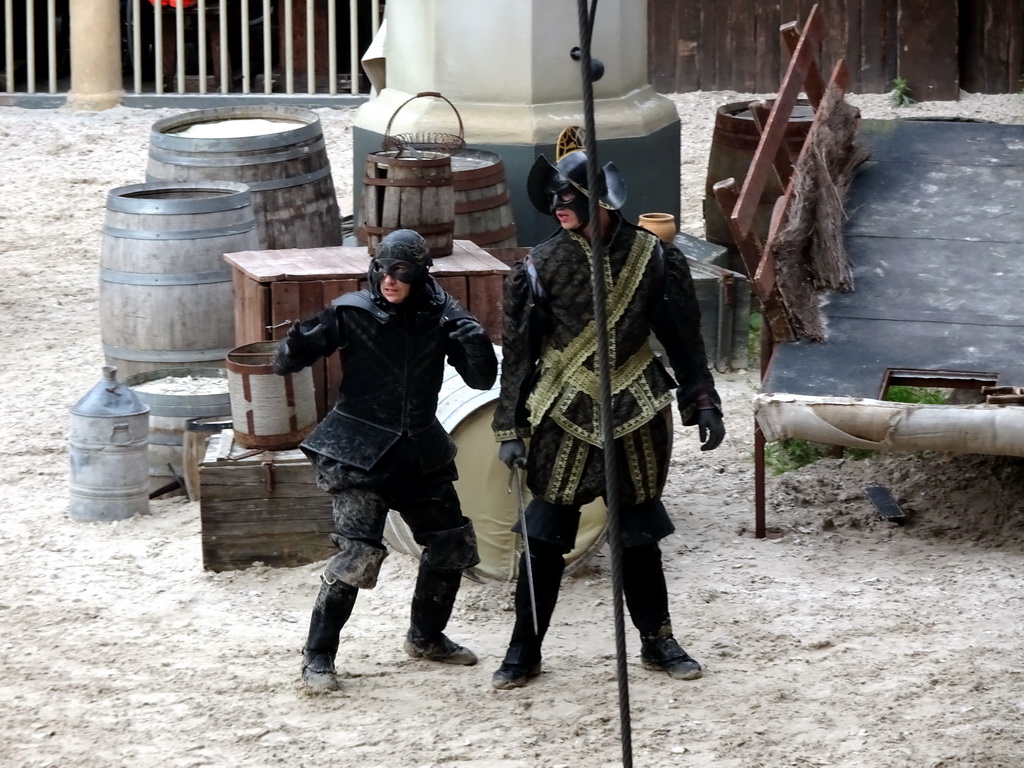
733	144
483	488
165	289
174	396
483	205
409	190
278	152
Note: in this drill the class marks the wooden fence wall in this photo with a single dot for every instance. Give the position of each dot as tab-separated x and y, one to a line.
938	46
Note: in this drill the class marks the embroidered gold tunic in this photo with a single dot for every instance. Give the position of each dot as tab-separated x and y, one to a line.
549	379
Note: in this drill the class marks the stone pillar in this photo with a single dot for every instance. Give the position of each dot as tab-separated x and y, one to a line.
507	68
95	54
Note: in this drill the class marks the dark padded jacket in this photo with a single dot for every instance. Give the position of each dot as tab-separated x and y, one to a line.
392	360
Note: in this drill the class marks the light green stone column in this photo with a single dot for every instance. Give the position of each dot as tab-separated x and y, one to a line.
507	68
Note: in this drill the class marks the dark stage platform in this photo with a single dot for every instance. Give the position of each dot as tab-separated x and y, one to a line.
936	238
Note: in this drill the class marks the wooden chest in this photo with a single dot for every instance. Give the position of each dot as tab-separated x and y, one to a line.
274	288
261	506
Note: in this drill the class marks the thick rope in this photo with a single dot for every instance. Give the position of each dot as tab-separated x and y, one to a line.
586	24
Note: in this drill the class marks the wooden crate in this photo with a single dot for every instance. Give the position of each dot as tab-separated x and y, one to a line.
261	506
274	288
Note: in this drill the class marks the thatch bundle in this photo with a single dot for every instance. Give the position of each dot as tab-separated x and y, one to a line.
809	251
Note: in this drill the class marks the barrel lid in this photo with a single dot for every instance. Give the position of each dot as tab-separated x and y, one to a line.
740	110
110	397
167	133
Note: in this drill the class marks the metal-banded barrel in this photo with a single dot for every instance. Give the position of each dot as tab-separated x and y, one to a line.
165	289
733	145
170	409
278	152
483	204
409	192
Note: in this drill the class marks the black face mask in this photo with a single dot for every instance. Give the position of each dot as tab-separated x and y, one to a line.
579	204
403	271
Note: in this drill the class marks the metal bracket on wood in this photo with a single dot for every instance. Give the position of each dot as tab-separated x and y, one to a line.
268	471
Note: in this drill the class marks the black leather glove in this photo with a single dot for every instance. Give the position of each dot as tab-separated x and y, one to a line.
712	428
512	453
467	331
298	349
299	341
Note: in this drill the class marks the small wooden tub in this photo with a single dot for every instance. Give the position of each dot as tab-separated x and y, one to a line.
269	412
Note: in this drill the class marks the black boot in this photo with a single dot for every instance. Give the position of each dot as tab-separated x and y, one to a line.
432	602
664	654
332	609
523	658
646	593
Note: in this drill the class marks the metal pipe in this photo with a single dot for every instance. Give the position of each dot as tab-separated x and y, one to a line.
311	47
332	47
30	47
179	43
158	46
136	44
375	21
224	59
289	50
353	46
9	45
51	43
201	31
268	57
246	65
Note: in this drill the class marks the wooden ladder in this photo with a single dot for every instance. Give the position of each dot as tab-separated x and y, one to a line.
739	206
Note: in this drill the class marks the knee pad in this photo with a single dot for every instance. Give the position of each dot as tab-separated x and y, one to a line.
356	564
359	513
450	550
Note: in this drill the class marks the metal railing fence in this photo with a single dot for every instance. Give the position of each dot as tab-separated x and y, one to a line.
210	47
36	53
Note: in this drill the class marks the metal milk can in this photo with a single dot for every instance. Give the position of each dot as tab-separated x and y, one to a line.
107	442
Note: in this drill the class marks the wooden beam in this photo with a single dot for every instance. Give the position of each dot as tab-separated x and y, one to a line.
775	131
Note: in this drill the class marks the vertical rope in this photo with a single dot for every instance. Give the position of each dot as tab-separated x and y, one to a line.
586	24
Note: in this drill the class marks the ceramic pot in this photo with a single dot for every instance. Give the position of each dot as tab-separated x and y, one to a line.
661	224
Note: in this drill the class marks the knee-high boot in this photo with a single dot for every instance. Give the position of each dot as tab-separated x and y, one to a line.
332	609
432	602
523	657
646	594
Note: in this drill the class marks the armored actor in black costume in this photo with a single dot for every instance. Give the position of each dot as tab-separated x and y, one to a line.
549	394
382	447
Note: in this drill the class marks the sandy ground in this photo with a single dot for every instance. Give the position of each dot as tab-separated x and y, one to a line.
846	642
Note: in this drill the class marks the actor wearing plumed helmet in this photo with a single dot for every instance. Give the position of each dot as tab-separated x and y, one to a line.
381	447
549	386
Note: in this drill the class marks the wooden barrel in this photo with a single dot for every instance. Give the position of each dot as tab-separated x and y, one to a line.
483	489
403	191
269	412
172	403
165	289
278	152
733	144
483	205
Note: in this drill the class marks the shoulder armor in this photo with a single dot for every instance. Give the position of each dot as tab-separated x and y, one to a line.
360	300
451	309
